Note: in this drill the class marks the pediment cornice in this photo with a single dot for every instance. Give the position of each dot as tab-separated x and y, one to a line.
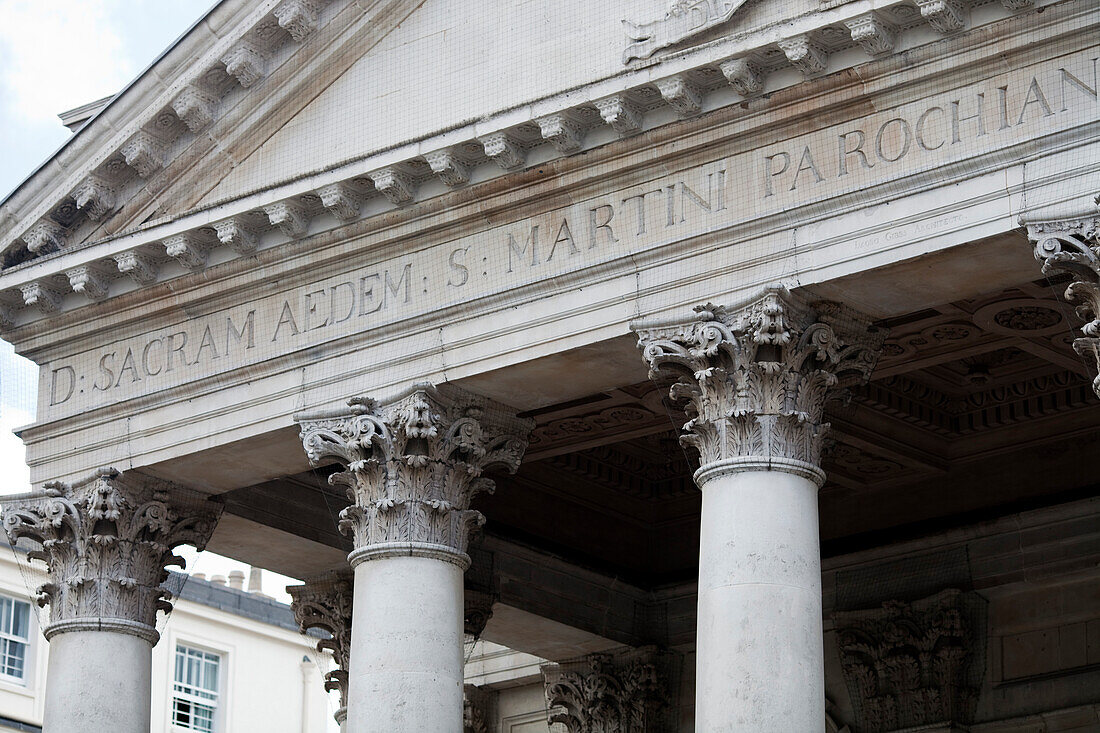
41	227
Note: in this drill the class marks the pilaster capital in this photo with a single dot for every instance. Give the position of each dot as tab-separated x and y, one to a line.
107	541
325	602
1067	240
609	693
756	378
412	466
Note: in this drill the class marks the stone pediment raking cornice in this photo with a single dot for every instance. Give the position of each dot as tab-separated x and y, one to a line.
637	99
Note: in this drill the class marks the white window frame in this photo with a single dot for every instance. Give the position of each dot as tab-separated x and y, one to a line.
25	641
216	703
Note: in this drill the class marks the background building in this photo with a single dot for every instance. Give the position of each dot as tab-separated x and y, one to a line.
228	660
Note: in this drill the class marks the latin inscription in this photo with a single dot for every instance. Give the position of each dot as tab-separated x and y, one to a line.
924	135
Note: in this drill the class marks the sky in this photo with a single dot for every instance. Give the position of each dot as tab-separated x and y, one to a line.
56	55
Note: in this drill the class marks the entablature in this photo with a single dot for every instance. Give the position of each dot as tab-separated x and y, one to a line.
736	70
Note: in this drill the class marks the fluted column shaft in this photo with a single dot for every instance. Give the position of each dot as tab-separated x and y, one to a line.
412	467
107	542
755	381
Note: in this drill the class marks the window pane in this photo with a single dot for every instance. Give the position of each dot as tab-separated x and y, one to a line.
12	656
5	615
21	621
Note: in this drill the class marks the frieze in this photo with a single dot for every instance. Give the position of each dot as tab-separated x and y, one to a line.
607	228
682	96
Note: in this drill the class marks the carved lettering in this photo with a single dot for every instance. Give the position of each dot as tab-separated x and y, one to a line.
532	243
460	270
69	380
595	225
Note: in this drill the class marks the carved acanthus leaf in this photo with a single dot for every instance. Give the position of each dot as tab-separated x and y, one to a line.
299	17
237	234
140	267
40	295
1070	244
564	132
910	665
44	237
619	112
325	602
196	107
501	147
743	75
450	169
804	54
290	216
394	184
946	16
188	249
95	197
756	380
873	33
341	200
89	281
681	95
246	63
412	466
603	693
144	153
107	542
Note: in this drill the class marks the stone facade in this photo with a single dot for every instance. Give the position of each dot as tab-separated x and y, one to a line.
893	413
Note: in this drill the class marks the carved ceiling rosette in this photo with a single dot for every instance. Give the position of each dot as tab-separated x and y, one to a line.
412	466
913	664
605	693
756	379
1067	240
107	542
325	602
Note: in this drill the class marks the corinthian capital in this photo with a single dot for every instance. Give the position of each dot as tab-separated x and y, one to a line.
325	602
756	379
605	693
108	541
1067	239
412	467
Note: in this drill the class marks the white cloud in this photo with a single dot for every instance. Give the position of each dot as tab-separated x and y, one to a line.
56	52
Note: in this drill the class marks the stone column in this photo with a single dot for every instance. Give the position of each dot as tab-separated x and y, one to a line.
107	541
755	380
1067	240
325	602
411	468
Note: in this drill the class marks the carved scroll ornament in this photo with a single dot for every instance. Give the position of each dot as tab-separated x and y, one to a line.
1067	240
605	693
108	541
756	379
412	467
325	602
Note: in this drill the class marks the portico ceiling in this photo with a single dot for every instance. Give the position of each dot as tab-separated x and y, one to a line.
979	406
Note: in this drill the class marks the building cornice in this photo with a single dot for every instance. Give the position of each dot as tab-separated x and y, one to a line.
722	73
